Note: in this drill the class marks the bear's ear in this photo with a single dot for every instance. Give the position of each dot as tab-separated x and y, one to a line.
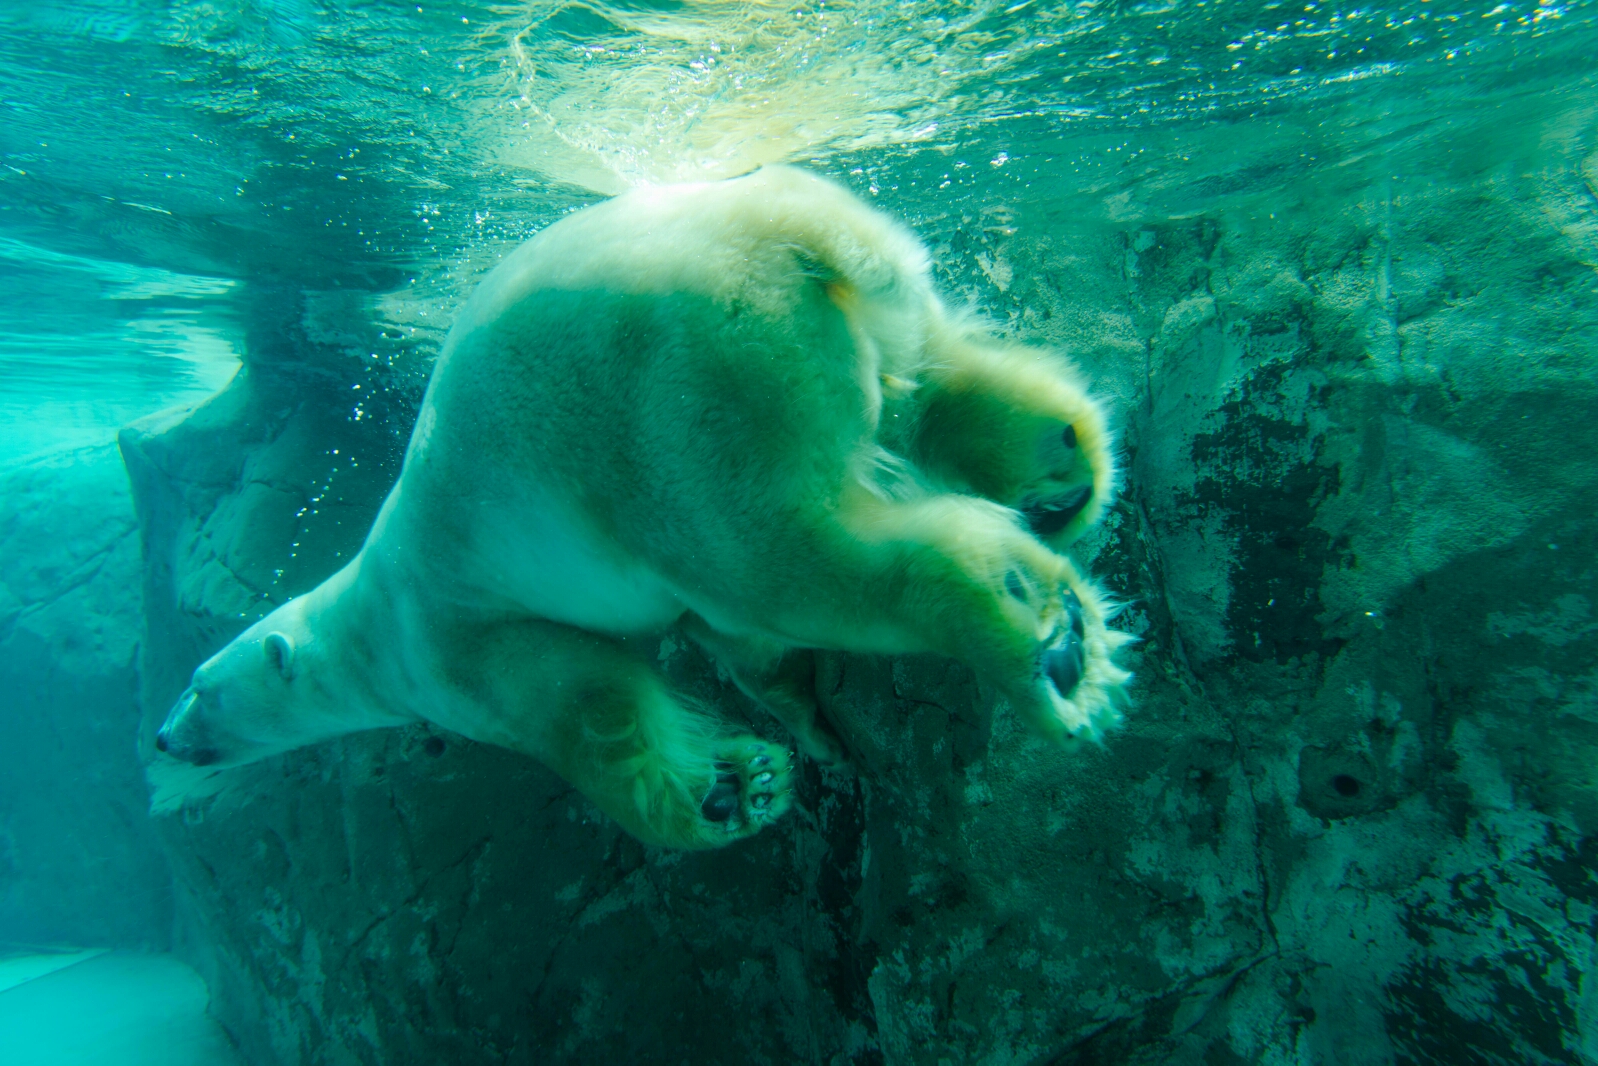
279	648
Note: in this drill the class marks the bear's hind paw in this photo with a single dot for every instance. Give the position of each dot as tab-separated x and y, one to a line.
753	788
1077	690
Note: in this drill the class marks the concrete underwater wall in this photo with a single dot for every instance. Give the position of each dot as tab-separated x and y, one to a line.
1351	818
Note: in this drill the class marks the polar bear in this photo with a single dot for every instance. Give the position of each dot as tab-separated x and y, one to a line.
738	408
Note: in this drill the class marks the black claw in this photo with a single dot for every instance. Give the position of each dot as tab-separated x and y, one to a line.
1012	585
1073	611
1064	663
1049	518
722	803
1069	436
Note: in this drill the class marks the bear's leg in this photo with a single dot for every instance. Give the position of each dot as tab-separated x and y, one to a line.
956	575
605	721
779	678
1015	426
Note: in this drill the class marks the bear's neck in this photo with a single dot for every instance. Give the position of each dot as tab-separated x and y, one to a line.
354	654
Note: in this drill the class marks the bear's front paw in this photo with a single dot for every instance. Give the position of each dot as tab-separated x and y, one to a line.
1077	687
752	787
1061	501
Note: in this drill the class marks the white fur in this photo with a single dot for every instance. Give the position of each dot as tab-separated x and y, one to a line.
737	406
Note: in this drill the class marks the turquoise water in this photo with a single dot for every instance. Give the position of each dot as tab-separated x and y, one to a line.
162	160
90	344
1330	267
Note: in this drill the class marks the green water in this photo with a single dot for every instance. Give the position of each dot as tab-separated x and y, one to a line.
1330	267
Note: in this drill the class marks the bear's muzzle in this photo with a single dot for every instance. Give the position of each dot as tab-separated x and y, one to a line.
178	737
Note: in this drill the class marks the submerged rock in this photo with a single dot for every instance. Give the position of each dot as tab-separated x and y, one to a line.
79	859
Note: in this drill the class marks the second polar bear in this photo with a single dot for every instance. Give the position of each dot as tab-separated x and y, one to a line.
734	407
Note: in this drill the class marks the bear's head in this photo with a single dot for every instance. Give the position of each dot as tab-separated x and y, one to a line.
247	701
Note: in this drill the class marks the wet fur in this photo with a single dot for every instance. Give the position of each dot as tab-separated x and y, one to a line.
738	408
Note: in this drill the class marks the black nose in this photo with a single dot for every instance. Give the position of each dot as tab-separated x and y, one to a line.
160	740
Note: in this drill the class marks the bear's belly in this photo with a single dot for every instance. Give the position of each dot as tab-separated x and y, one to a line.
552	562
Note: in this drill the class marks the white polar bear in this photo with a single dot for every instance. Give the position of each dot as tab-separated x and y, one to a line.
736	407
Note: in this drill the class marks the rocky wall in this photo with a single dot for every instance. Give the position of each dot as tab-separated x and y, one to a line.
1350	819
79	860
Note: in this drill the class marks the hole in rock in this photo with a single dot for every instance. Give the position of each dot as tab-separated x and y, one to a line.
434	746
1346	785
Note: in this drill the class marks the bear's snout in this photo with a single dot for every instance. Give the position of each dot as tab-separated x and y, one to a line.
179	738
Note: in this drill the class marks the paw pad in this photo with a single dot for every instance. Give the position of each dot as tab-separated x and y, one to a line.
722	803
751	787
1065	662
1076	688
1071	479
1048	517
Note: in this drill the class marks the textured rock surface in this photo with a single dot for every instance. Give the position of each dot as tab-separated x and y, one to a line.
79	861
1350	821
